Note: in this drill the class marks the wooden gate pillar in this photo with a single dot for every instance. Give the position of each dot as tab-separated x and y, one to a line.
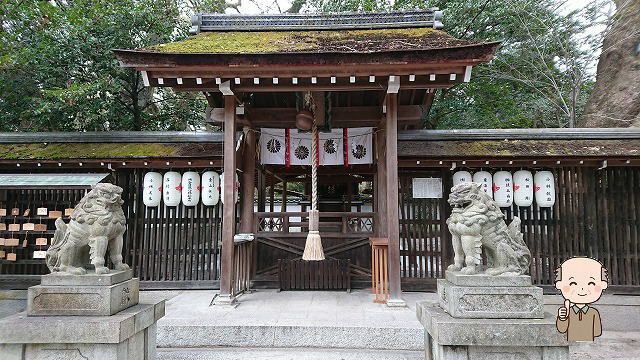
380	224
229	209
393	220
248	181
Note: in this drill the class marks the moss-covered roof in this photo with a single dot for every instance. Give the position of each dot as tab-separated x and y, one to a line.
59	151
355	41
520	148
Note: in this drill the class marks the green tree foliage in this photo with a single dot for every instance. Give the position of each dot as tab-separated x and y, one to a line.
58	71
540	75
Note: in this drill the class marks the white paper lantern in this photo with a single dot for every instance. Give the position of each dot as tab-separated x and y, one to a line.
544	188
210	188
152	192
503	188
485	180
235	197
523	188
172	188
190	188
460	177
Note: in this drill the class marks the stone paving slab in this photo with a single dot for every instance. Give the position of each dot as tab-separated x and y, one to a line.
267	318
286	354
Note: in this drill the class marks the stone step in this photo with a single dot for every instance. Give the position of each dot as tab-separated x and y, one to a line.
285	354
291	336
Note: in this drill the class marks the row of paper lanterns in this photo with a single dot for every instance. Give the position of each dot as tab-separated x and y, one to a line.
520	188
188	188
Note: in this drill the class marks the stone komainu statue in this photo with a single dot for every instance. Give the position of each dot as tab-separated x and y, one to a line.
97	223
476	222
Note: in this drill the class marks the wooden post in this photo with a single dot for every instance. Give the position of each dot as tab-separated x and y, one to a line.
248	181
381	186
391	199
229	209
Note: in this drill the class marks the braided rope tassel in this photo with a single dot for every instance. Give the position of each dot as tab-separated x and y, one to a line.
313	246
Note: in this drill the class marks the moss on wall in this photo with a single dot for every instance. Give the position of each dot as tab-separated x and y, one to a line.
84	151
311	41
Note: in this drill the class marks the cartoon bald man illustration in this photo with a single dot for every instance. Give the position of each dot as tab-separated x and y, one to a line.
581	281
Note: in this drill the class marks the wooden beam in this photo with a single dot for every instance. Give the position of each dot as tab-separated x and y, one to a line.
248	181
286	72
306	84
391	199
229	208
348	116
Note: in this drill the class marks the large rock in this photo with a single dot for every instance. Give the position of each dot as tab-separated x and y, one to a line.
615	100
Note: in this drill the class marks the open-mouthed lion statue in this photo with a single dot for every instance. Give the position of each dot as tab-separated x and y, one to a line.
98	223
476	222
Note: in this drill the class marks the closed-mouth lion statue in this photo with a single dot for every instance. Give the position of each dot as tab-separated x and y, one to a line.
476	222
97	223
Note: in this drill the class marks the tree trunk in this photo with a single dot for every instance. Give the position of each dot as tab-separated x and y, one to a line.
615	101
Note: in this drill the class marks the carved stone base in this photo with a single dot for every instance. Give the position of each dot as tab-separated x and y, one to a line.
448	338
491	302
128	335
83	295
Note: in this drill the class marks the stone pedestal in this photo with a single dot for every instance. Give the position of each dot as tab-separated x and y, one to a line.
83	317
87	295
127	335
491	297
489	317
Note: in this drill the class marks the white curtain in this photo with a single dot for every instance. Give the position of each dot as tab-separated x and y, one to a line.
360	145
300	148
272	146
331	147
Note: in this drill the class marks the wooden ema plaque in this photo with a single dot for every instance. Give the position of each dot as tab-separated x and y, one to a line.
27	213
1	241
42	211
15	212
28	226
68	211
3	212
11	257
40	227
11	242
42	241
3	227
14	227
40	254
2	254
55	214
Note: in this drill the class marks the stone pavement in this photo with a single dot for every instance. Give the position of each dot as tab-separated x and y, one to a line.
331	326
340	325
